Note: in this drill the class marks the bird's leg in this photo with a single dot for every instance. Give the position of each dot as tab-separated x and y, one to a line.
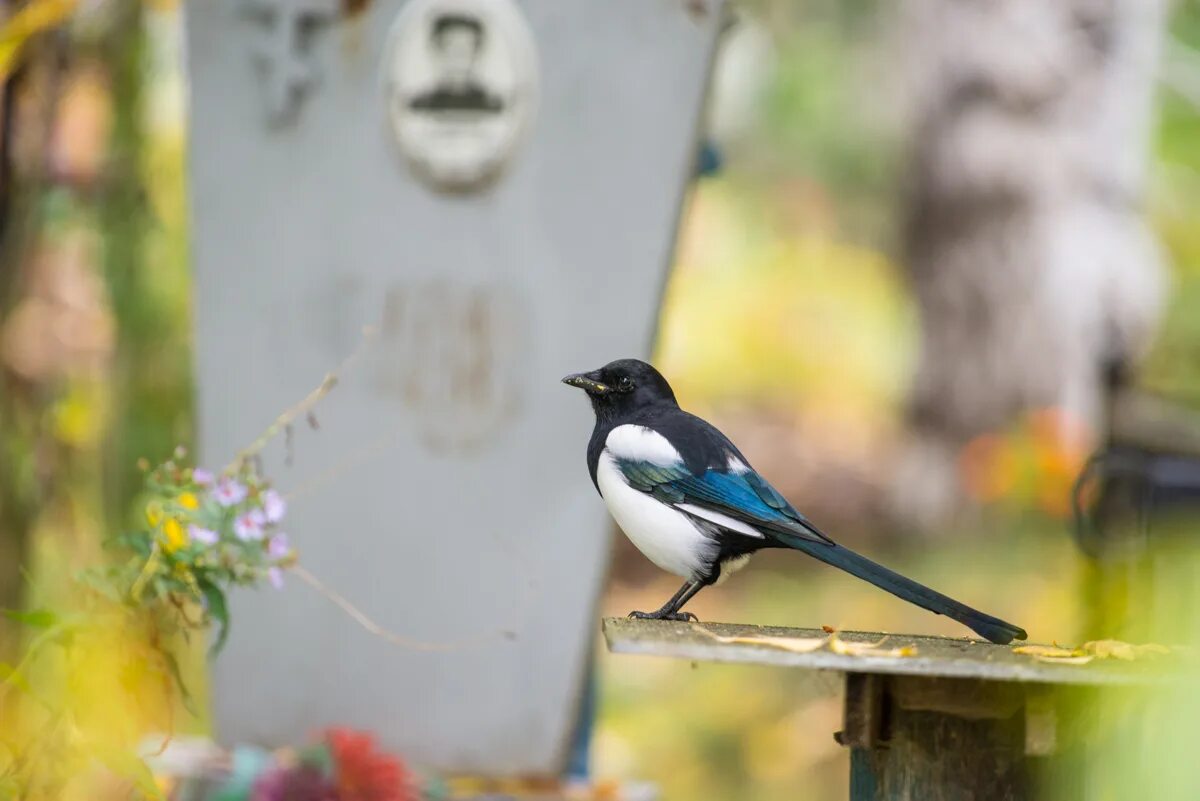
670	610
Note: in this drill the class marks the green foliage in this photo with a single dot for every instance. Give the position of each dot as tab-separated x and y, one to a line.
202	534
218	611
37	618
89	679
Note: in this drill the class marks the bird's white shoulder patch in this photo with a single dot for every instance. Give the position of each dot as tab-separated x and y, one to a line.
720	519
736	465
638	443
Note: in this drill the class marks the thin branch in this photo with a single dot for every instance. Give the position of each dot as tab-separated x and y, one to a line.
281	423
302	409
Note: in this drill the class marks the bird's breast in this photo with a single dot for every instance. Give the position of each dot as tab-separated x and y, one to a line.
666	536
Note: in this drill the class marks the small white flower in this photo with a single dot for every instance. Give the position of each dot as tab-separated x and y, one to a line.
278	546
229	492
249	525
204	536
274	506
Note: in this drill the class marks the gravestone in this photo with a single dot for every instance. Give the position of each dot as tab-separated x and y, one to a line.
494	188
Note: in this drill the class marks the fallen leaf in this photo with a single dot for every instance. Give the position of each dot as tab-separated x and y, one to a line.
1096	649
1049	652
847	648
1055	654
1115	649
804	645
796	645
1066	660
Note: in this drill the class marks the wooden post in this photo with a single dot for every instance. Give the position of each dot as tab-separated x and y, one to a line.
932	739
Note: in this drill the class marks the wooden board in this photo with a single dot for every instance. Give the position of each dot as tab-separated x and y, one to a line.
935	656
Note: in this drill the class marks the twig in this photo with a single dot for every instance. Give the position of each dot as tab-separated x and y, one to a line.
139	584
281	423
182	612
304	408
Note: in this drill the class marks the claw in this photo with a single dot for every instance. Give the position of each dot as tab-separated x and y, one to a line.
683	617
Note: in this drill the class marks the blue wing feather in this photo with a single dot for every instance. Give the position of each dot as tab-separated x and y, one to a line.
745	496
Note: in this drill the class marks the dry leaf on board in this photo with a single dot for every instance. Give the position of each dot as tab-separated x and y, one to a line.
796	645
847	648
1096	649
1115	649
1052	653
805	645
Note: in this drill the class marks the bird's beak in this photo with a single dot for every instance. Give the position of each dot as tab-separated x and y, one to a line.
584	382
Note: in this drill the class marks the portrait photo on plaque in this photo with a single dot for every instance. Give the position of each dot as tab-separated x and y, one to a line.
461	85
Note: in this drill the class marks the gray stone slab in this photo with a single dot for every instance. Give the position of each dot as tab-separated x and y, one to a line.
446	493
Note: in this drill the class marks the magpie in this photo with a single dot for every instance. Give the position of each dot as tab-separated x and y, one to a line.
690	501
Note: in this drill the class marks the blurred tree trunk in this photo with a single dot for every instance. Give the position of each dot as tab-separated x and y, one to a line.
1031	262
74	216
28	106
70	168
123	219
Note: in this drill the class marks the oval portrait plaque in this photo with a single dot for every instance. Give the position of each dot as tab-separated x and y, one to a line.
461	82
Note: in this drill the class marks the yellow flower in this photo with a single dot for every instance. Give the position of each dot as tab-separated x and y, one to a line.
154	513
175	536
188	501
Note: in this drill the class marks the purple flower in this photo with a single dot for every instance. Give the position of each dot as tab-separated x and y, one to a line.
248	525
202	477
275	576
302	782
278	546
204	536
274	506
229	492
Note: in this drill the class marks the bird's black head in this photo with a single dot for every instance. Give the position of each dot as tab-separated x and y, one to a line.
621	387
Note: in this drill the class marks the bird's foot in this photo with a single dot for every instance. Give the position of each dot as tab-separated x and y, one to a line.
683	617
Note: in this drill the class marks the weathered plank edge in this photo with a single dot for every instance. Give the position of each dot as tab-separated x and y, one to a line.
972	660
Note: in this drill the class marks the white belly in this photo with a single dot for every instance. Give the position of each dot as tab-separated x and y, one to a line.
666	536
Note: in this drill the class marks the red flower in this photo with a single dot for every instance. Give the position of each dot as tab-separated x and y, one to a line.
364	774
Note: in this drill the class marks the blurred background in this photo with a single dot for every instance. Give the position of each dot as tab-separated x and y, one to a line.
930	247
935	228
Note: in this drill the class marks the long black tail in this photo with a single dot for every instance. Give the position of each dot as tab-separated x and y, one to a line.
991	628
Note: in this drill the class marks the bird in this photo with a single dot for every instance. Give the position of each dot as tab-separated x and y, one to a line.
692	504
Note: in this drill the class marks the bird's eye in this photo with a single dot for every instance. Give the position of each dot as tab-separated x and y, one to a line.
625	384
